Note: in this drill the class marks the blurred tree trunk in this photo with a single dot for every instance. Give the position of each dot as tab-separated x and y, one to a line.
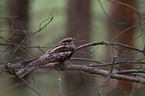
18	9
122	17
79	23
19	12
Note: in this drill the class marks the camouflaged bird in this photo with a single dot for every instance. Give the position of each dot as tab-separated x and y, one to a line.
64	45
61	52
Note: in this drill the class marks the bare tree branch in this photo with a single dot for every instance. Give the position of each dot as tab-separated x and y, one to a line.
108	44
46	61
100	72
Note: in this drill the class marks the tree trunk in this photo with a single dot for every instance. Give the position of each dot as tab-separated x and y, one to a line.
18	9
79	24
19	12
122	17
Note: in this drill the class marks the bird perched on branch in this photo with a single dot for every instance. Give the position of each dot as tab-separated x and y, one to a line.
61	52
64	45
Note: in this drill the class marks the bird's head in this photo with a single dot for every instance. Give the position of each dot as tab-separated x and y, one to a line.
67	41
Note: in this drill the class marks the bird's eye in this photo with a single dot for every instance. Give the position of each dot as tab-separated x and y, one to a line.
68	40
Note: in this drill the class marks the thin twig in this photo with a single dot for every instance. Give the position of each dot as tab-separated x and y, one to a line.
113	64
102	85
107	43
85	59
31	87
60	83
116	63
